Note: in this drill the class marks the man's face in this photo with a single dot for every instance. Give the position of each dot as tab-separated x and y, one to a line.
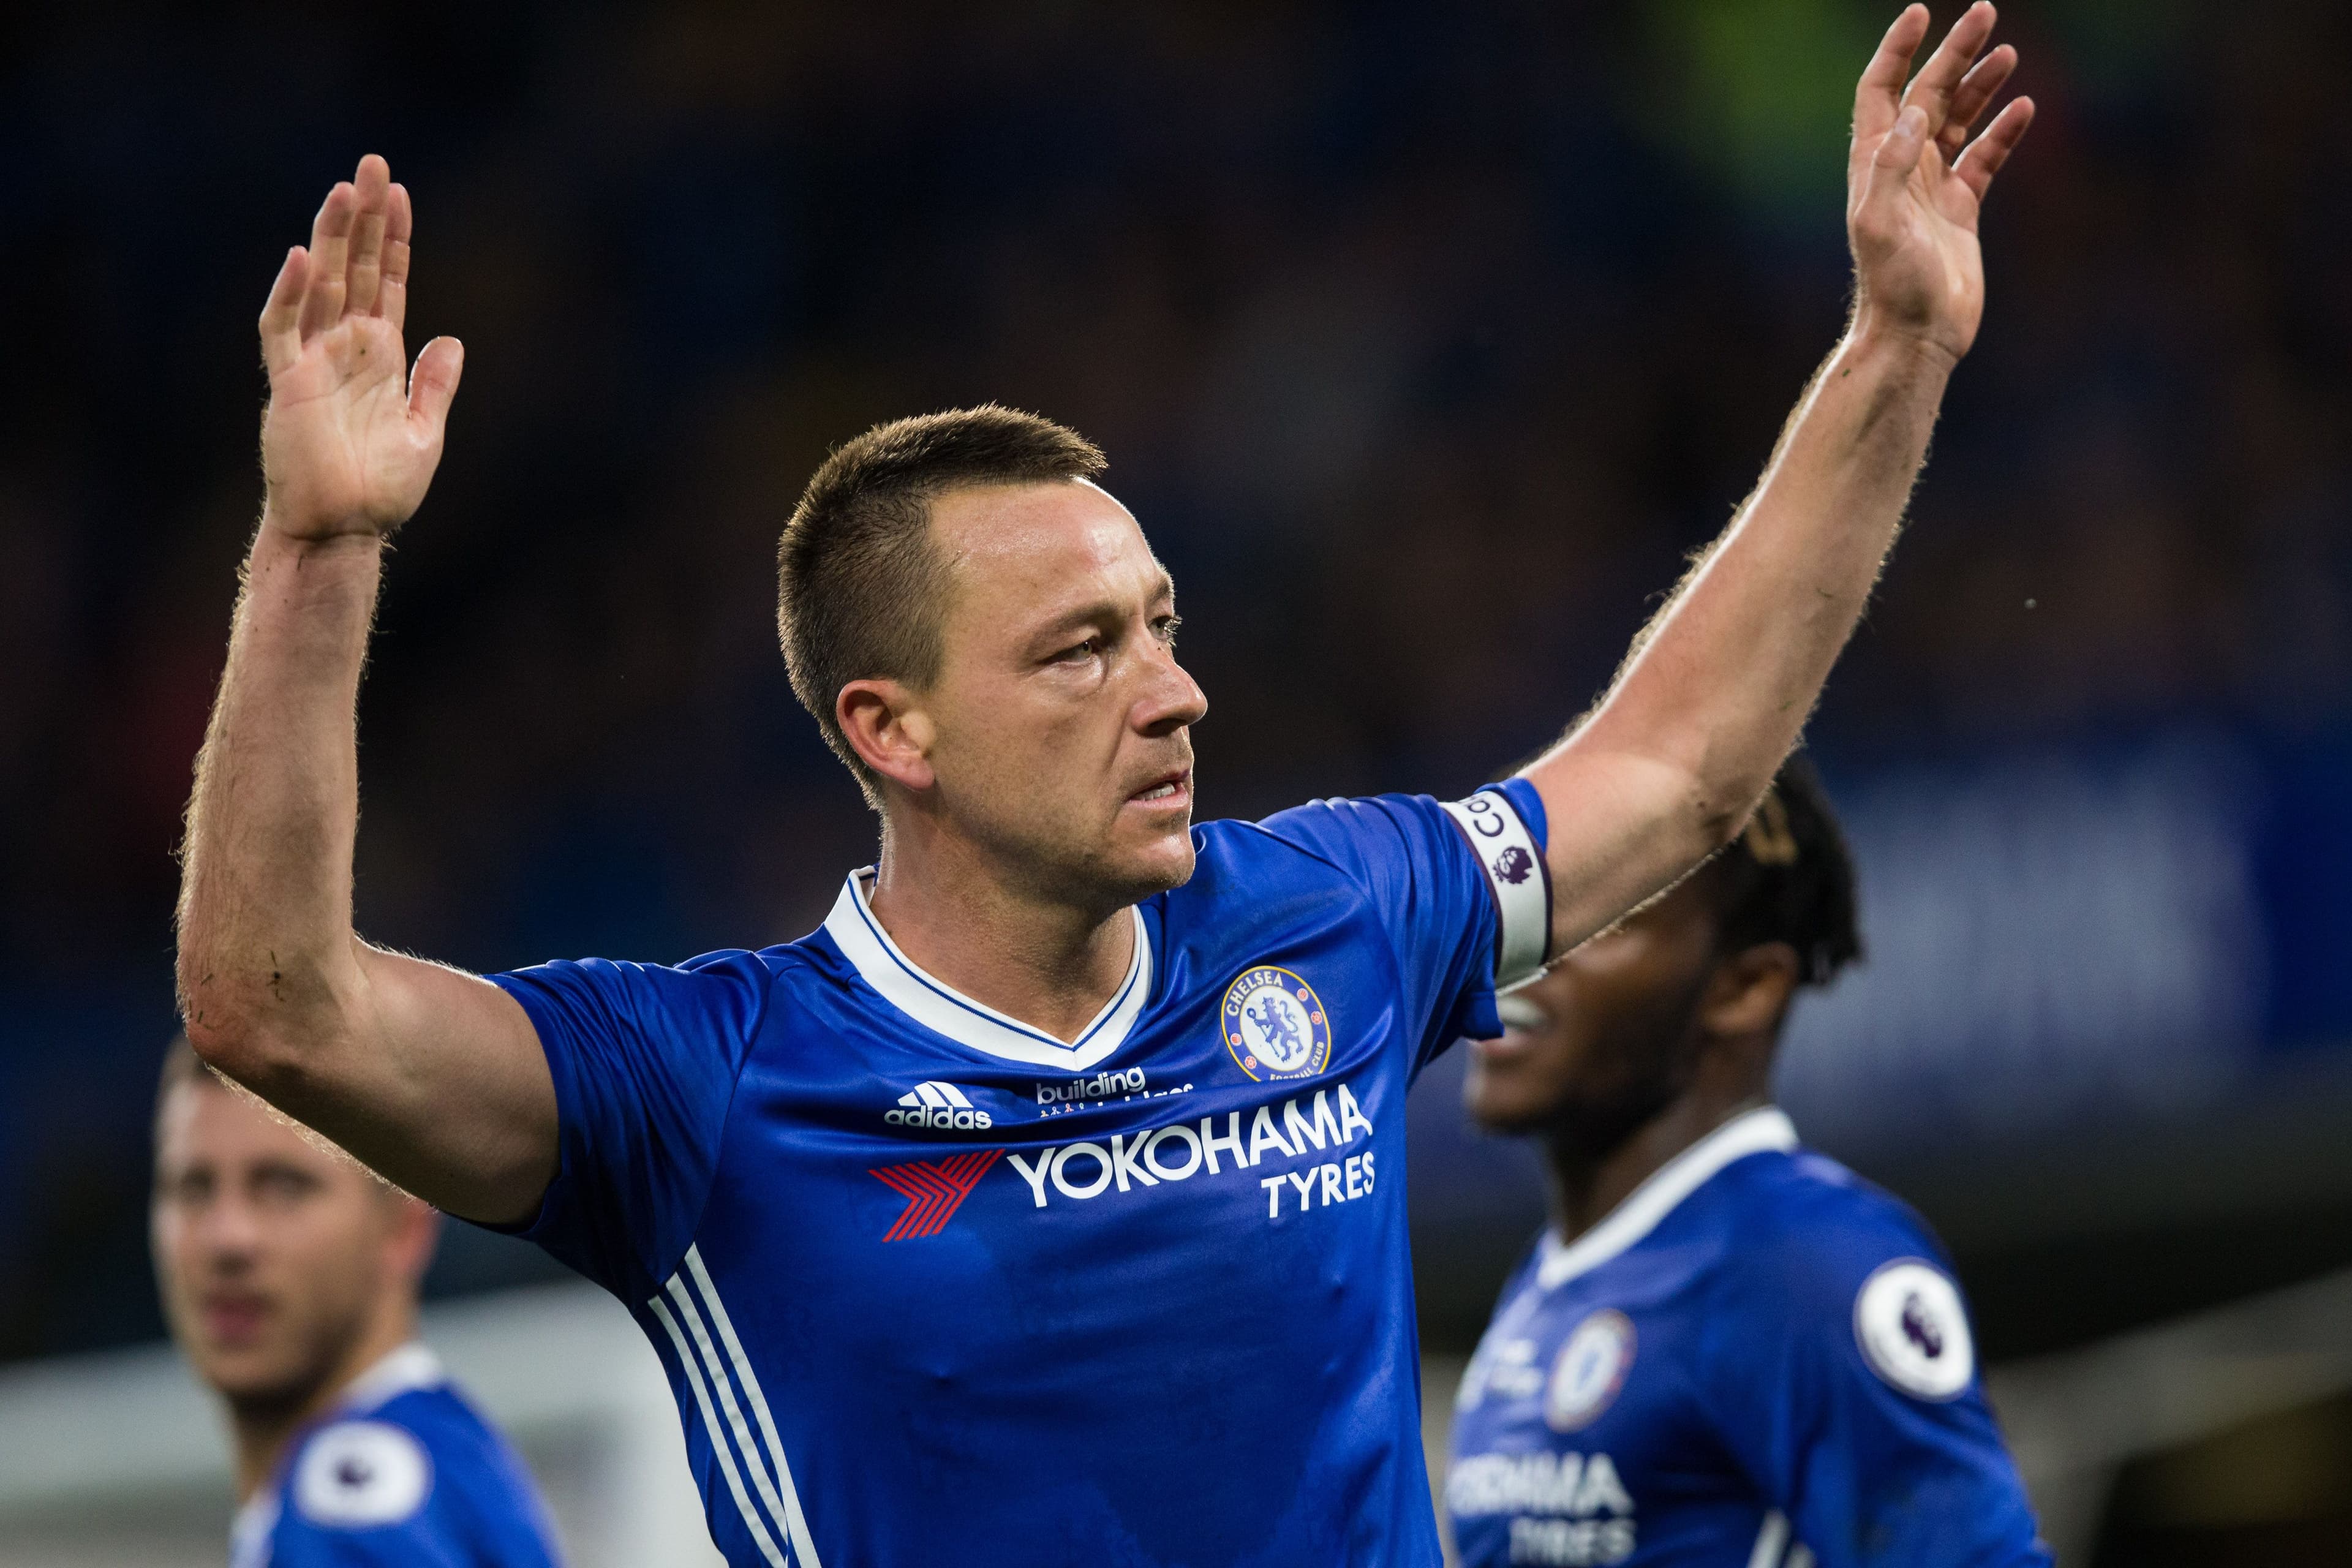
1061	718
1606	1039
274	1256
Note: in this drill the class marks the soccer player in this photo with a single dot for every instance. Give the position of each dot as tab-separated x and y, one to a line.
1043	1206
1724	1349
289	1277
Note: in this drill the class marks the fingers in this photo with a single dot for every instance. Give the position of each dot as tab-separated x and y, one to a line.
1977	89
1880	95
374	186
391	293
1898	151
1891	162
1939	79
281	314
331	237
435	382
1983	159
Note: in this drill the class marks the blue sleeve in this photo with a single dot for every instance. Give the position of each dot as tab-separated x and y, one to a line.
376	1490
1461	888
1844	1376
449	1531
644	1060
420	1540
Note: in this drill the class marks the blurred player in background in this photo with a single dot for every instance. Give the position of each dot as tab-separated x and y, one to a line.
289	1277
1042	1207
1725	1349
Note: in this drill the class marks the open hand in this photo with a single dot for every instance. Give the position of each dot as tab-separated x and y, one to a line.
1914	182
350	439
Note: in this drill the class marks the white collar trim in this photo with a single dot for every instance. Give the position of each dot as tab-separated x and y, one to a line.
1764	1129
412	1367
939	1006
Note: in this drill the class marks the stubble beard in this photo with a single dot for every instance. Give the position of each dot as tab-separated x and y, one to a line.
291	1388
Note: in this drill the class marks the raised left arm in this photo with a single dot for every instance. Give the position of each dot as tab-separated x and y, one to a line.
1667	770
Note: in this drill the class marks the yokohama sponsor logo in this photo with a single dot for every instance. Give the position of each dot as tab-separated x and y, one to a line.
1177	1153
1571	1485
934	1189
1570	1509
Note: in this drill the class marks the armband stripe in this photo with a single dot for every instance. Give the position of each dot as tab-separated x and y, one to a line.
1516	875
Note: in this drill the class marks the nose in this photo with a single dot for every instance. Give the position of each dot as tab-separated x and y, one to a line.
1171	698
228	1232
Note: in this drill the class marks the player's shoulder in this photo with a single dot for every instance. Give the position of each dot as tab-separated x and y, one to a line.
1822	1250
418	1470
759	982
367	1470
738	980
1804	1226
1323	839
803	960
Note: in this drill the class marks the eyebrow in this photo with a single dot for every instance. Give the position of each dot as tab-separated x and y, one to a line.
1103	610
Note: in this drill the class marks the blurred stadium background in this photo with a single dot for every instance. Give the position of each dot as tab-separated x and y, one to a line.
1425	339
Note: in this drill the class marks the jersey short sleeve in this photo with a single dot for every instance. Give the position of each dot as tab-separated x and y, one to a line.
1844	1376
1461	888
644	1060
375	1490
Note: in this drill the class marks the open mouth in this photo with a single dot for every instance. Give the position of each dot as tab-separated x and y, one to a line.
1168	789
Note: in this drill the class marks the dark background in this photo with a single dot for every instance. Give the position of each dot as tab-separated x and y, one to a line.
1426	339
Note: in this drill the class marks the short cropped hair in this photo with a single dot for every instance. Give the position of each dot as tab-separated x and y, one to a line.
183	1068
181	1065
861	590
1789	877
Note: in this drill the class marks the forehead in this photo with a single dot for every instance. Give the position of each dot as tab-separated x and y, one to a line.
1034	551
1682	912
205	1122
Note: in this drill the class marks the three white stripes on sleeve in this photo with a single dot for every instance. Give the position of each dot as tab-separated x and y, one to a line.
772	1479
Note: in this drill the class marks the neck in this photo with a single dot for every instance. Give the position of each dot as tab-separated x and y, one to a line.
263	1427
1588	1182
1049	962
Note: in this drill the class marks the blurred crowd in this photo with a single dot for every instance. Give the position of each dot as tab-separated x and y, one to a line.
1425	340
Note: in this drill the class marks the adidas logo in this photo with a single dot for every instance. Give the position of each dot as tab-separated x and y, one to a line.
933	1104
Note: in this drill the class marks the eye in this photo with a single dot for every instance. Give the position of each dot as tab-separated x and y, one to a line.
1078	651
1165	630
283	1186
189	1187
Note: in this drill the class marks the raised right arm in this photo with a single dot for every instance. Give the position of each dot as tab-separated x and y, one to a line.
431	1076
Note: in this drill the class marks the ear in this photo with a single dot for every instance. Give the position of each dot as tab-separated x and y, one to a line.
888	729
416	1230
1749	991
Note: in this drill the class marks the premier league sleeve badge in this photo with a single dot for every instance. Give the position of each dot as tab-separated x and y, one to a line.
1913	1332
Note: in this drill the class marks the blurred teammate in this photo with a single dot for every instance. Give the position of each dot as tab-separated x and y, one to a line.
289	1277
1042	1207
1725	1350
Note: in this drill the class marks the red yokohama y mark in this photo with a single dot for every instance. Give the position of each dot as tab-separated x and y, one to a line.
934	1189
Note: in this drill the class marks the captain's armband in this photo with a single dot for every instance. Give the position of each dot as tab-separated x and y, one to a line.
1518	878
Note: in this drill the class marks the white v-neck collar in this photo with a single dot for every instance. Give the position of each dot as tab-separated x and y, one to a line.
939	1006
1765	1129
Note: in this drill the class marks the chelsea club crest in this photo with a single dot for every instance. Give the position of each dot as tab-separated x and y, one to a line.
1275	1025
1591	1369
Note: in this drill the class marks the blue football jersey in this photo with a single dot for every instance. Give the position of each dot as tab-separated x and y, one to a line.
1756	1360
402	1470
932	1285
